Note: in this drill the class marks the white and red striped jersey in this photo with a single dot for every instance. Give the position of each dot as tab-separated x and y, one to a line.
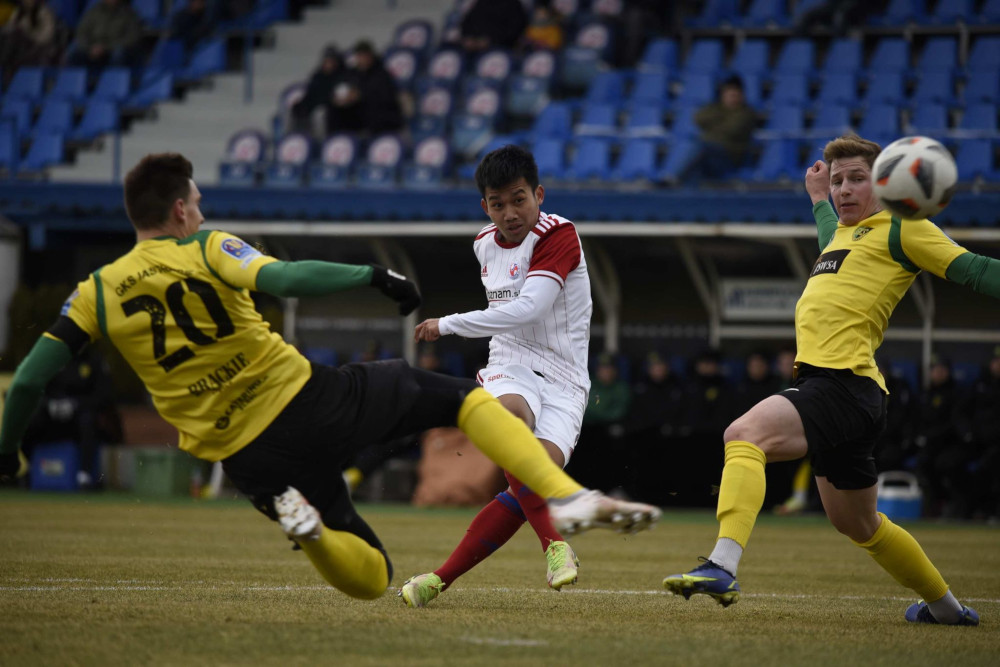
539	301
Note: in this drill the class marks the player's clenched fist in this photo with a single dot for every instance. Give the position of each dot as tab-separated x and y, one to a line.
818	181
396	287
427	330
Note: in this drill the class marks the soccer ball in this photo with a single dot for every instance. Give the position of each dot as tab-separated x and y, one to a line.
914	177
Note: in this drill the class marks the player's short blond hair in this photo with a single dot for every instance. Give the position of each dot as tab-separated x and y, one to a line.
851	145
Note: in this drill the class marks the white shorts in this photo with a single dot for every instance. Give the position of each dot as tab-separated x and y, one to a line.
558	414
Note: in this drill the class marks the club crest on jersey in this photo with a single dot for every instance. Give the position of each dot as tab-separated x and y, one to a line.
514	270
69	302
860	233
238	249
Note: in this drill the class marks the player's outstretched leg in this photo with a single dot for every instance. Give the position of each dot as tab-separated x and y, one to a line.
562	565
346	561
508	442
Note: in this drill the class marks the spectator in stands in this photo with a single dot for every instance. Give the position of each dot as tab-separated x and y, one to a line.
108	34
759	383
320	94
370	102
7	10
984	406
601	459
895	445
194	22
493	24
727	127
29	37
642	20
840	15
544	32
649	430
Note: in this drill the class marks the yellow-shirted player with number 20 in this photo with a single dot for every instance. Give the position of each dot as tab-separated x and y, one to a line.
177	306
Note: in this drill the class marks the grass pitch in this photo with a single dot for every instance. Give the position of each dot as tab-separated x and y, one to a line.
113	580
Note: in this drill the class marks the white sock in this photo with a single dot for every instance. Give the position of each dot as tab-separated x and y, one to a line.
727	554
947	610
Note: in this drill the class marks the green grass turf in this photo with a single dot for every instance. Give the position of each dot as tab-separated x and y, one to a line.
113	580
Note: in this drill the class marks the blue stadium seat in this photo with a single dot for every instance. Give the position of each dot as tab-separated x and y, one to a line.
46	150
434	109
245	153
550	155
337	158
380	168
554	122
951	11
9	144
417	34
940	54
607	8
208	59
844	55
606	87
597	120
979	119
929	119
790	88
832	120
901	12
984	56
68	11
753	89
803	7
838	88
596	34
27	84
797	56
786	120
884	87
751	57
649	89
70	85
157	90
975	160
778	160
766	13
578	66
679	154
683	125
637	161
591	161
880	123
19	112
149	12
541	64
468	171
982	86
99	117
989	12
891	54
645	122
56	117
705	57
403	65
114	85
494	65
429	166
696	89
291	155
660	55
168	56
526	96
716	14
934	86
470	132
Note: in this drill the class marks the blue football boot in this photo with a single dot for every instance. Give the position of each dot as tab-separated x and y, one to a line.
707	579
919	612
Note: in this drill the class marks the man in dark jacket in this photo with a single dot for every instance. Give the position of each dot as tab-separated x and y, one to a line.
320	93
372	96
108	34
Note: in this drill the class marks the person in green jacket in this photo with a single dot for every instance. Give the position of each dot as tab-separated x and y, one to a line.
108	34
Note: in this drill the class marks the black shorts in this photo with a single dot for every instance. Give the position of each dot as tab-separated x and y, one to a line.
842	414
338	412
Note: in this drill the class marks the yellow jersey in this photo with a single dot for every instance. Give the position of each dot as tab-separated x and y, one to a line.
855	284
180	312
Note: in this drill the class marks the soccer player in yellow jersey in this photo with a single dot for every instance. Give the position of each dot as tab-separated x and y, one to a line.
836	407
177	306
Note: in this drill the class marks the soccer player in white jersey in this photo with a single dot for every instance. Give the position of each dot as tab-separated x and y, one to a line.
538	289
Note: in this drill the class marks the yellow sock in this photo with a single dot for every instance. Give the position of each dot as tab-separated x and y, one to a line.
901	556
348	563
509	443
741	493
803	477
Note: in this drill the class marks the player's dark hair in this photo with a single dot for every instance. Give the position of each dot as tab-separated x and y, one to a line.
152	187
505	166
851	145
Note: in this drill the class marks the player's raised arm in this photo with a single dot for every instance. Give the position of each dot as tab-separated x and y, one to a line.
931	249
535	300
316	278
818	186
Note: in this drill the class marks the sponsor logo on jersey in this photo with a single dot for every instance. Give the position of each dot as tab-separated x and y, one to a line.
131	281
69	302
248	396
499	376
483	273
829	262
238	249
860	233
500	294
217	379
514	270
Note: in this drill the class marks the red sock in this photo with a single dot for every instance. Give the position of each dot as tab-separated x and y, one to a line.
491	529
536	511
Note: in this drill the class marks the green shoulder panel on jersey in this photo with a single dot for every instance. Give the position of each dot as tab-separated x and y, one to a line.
102	320
896	246
202	238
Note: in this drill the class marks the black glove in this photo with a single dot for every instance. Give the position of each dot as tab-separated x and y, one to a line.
397	288
9	466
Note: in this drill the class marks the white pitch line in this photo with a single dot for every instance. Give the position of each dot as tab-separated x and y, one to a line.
139	585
